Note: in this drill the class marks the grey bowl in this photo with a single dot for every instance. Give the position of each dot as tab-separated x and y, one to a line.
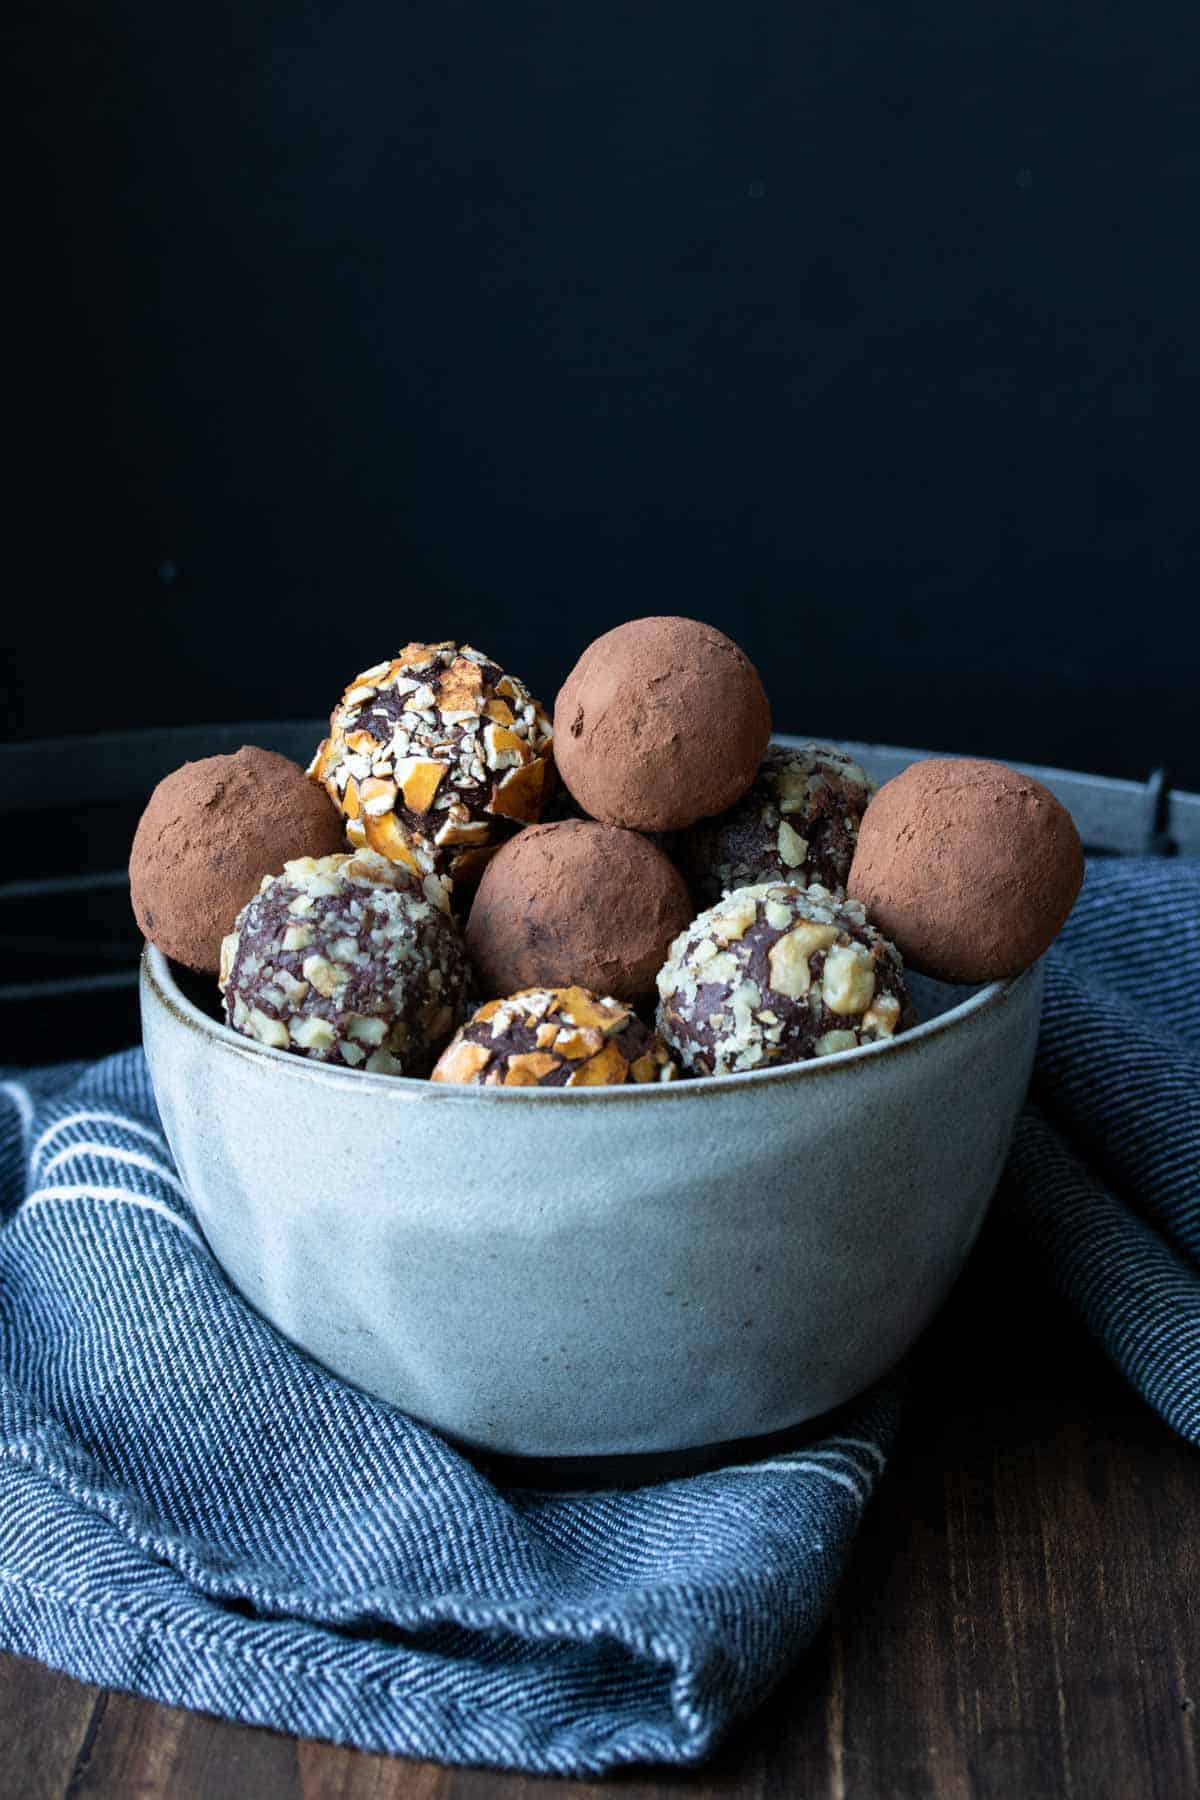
599	1273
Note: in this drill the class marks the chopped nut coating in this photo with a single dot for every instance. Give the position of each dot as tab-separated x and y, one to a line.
798	822
805	976
374	976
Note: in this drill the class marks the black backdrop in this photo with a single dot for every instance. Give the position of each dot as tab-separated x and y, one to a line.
868	332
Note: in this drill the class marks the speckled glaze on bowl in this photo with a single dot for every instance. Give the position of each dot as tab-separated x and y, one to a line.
604	1272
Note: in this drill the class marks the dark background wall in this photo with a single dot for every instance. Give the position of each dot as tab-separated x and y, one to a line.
866	332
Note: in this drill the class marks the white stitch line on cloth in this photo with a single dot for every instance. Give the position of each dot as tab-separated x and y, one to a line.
856	1443
113	1153
844	1456
97	1118
43	1197
21	1100
800	1468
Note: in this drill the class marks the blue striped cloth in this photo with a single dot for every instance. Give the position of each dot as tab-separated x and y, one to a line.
1104	1177
191	1510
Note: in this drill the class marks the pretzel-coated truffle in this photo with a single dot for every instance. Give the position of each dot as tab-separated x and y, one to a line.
435	758
554	1037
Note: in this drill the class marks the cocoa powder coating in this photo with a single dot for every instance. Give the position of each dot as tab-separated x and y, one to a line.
210	832
661	722
969	867
576	904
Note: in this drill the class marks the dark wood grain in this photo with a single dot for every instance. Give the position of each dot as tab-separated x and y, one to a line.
1021	1621
47	1726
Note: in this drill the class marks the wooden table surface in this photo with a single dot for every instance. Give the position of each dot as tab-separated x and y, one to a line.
1021	1619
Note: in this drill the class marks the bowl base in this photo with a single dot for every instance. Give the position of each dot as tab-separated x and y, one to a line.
588	1474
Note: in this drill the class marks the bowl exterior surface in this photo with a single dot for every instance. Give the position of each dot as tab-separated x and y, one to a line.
602	1273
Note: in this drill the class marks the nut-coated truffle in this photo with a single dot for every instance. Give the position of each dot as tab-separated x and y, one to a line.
576	905
968	866
661	722
210	832
435	758
342	959
798	822
778	974
554	1037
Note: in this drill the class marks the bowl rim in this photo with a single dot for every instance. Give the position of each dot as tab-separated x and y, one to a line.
159	983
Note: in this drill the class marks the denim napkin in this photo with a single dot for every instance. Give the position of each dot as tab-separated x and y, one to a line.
192	1510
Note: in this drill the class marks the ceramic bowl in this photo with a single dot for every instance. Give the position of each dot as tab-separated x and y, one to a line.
601	1272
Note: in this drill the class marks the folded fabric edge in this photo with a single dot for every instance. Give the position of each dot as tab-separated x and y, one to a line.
177	1663
1137	1296
165	1651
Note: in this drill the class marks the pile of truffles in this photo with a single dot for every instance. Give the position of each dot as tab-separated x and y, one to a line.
459	889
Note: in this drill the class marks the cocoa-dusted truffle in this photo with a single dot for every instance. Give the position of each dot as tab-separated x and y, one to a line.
798	822
342	959
554	1037
435	758
970	867
210	832
661	722
576	904
778	974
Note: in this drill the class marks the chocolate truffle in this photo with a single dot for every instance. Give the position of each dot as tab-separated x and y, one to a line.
660	722
778	974
343	960
554	1037
576	904
968	866
798	822
435	758
210	832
